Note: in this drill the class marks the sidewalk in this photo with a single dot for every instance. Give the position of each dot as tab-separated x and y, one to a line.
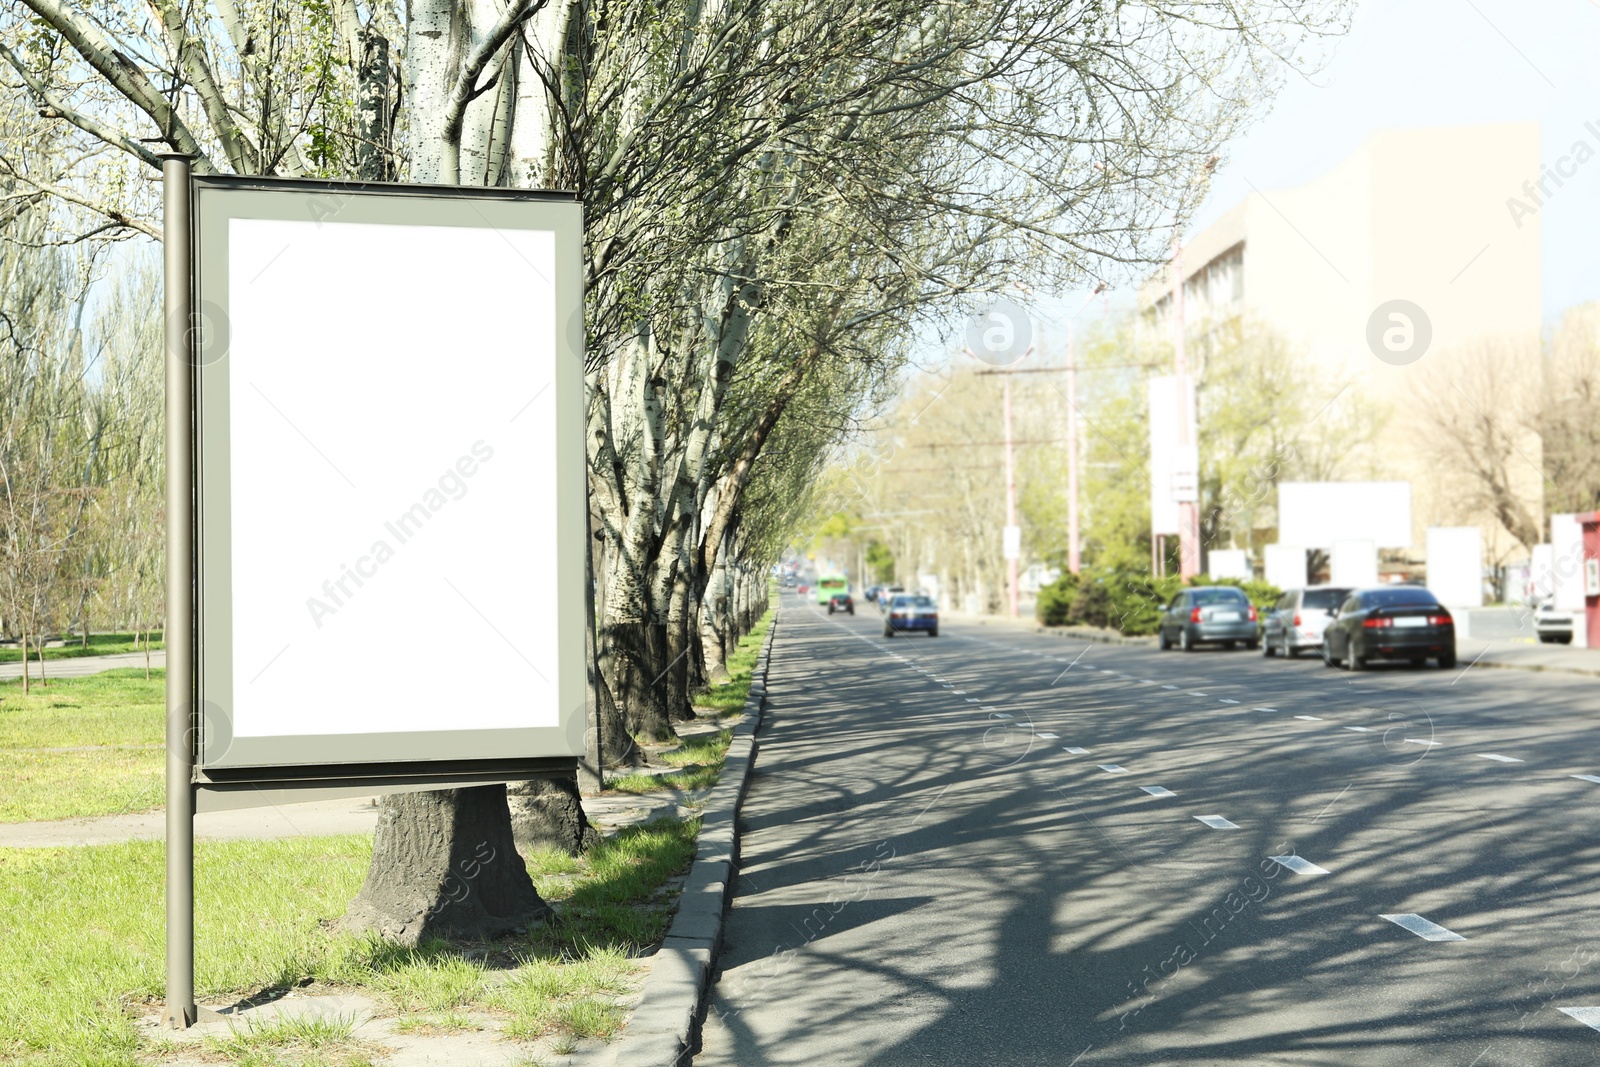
82	666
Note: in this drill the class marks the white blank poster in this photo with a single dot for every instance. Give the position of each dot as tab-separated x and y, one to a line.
393	477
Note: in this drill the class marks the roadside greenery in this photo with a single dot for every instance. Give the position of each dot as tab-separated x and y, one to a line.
83	946
98	645
1129	601
82	747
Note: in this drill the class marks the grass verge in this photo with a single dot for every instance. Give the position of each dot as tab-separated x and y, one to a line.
81	945
99	645
728	698
82	746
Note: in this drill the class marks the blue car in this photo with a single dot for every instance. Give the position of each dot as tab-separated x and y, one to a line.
908	613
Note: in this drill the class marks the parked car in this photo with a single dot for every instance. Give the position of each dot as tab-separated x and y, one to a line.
907	613
841	602
1209	614
1552	626
1393	622
1296	622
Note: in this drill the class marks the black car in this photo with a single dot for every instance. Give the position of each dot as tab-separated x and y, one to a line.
841	602
1401	622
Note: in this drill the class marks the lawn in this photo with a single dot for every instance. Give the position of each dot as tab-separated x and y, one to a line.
728	698
99	645
82	746
81	943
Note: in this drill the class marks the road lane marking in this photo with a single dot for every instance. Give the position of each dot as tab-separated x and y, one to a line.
1077	751
988	707
1587	777
959	692
1158	790
1497	757
1217	822
1169	687
1362	729
1309	718
1112	768
1050	737
974	700
1419	741
1199	694
1428	931
1298	865
1225	700
1263	709
1000	715
1589	1017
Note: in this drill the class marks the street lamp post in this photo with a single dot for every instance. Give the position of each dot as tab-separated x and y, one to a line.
1188	505
1011	506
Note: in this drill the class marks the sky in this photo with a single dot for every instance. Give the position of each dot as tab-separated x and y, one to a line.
1409	63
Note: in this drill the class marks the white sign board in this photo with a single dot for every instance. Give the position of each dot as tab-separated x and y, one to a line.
1566	561
390	477
1319	514
1167	460
1229	563
1285	566
1354	564
1011	546
1455	565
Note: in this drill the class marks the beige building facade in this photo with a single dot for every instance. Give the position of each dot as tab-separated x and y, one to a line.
1445	219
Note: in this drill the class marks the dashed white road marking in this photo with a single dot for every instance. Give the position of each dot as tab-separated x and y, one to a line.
959	692
1428	931
1362	729
1000	715
1419	741
1199	694
1310	718
1217	822
1589	1017
1297	865
974	700
1497	757
1077	751
988	707
1169	687
1112	768
1225	700
1158	790
1263	709
1587	777
1050	737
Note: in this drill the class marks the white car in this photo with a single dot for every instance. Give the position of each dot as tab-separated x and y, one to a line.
1552	626
1297	620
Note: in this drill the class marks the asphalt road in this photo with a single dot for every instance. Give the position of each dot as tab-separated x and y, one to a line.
926	880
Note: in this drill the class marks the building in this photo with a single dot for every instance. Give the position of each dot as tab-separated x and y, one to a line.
1446	219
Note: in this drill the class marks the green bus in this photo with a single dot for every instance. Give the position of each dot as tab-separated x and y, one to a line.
830	586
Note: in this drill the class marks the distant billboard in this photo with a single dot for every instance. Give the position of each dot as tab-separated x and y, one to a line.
1320	514
1455	565
1172	467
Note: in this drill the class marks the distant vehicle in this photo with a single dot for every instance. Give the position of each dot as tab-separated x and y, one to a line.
907	613
789	581
871	593
830	584
1296	622
803	590
1391	622
841	602
1209	614
1553	627
888	593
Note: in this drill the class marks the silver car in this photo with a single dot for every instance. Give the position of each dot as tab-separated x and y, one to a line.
1552	626
1219	614
1296	622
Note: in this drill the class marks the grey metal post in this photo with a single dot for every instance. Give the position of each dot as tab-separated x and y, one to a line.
176	237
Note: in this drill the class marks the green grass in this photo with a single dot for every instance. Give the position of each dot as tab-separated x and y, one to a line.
81	946
708	748
686	780
99	645
728	698
116	720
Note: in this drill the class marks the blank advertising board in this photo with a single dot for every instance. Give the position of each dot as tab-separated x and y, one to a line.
390	502
1320	514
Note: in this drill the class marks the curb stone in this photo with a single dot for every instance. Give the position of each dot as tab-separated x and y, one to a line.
663	1027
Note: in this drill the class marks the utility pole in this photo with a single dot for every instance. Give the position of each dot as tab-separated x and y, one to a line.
1012	552
1073	562
1189	503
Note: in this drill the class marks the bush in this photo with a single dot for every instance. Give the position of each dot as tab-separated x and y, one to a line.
1138	600
1055	600
1264	595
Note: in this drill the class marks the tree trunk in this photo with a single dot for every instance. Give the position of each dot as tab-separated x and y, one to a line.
636	649
373	107
445	864
24	662
549	814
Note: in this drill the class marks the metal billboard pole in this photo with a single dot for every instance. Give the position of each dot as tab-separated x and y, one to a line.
179	339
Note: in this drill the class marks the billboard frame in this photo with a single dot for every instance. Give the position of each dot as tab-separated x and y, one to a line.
204	778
